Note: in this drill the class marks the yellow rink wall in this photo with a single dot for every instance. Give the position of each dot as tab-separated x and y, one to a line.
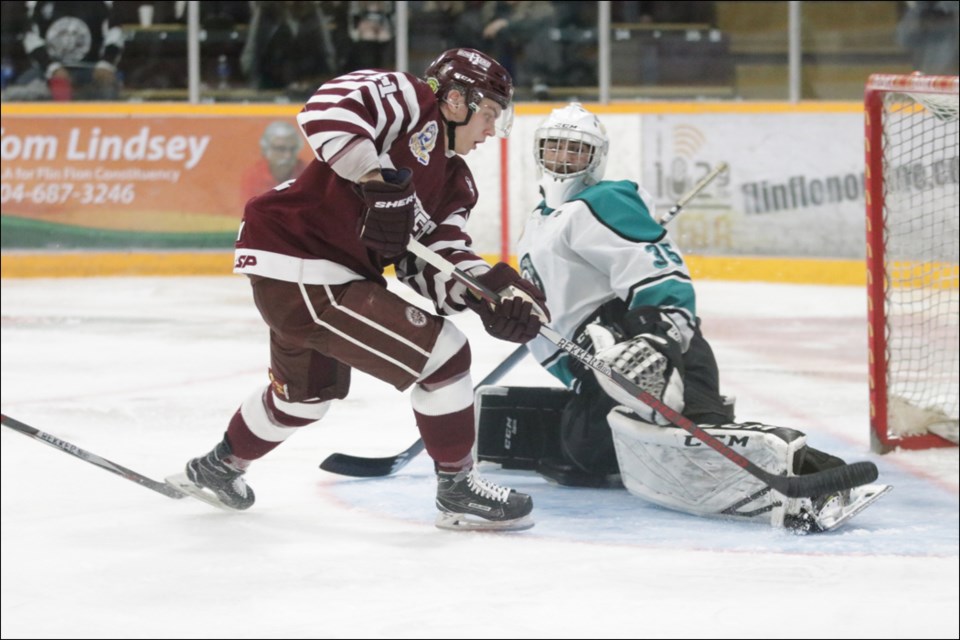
81	263
95	264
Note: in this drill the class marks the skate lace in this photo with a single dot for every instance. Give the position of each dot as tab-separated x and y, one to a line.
487	489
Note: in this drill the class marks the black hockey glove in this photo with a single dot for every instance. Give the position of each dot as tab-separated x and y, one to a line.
609	315
653	363
645	348
387	223
648	319
521	310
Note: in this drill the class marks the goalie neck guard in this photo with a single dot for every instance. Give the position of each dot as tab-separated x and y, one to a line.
570	149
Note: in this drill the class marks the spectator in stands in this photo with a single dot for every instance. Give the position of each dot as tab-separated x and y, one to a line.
150	61
930	30
222	14
467	23
576	32
13	26
289	47
214	14
164	12
280	147
371	34
74	48
519	35
337	13
660	12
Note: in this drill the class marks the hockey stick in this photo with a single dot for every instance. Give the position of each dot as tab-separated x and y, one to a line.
347	465
92	458
357	466
690	195
814	484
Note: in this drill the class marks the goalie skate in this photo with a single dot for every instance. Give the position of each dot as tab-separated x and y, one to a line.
835	510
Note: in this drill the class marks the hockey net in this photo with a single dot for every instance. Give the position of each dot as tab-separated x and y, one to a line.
912	259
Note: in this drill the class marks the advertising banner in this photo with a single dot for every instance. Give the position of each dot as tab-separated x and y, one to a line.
795	186
139	182
178	176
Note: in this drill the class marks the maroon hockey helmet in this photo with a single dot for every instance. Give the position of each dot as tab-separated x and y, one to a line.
478	76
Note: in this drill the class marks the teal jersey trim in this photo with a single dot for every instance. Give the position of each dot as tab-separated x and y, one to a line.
669	293
561	371
544	209
617	205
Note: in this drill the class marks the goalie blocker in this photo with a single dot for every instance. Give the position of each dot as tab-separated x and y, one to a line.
520	428
546	429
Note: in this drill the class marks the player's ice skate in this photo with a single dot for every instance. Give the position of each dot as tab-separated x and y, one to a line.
832	511
216	479
469	502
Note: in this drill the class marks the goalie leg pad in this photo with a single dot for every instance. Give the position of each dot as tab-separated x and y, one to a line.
517	426
671	468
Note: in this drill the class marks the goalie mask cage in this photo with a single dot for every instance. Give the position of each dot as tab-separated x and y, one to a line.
912	259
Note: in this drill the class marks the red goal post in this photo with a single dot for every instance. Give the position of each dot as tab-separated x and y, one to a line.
912	259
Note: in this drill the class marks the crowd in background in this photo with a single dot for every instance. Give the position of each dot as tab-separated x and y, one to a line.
293	46
94	50
289	46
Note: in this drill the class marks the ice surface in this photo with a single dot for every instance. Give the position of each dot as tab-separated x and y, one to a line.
147	371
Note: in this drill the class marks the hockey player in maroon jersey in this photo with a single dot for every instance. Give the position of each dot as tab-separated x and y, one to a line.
387	168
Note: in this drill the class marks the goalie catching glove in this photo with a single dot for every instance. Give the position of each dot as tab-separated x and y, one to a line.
522	308
650	361
387	222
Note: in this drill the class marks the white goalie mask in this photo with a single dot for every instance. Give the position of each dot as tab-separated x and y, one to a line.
570	149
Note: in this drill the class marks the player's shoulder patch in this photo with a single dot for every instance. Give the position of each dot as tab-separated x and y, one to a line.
423	142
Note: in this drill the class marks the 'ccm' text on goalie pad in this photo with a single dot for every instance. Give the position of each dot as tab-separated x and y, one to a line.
671	468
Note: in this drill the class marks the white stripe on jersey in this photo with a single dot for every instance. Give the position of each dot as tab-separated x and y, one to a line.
370	323
258	421
334	113
409	93
445	400
390	111
456	245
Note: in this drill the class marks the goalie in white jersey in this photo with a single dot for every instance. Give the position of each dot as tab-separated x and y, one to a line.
618	285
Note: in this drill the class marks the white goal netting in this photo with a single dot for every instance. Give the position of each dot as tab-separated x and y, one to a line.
921	249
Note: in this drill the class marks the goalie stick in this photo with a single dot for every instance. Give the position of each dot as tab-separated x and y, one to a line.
360	467
809	485
92	458
690	195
